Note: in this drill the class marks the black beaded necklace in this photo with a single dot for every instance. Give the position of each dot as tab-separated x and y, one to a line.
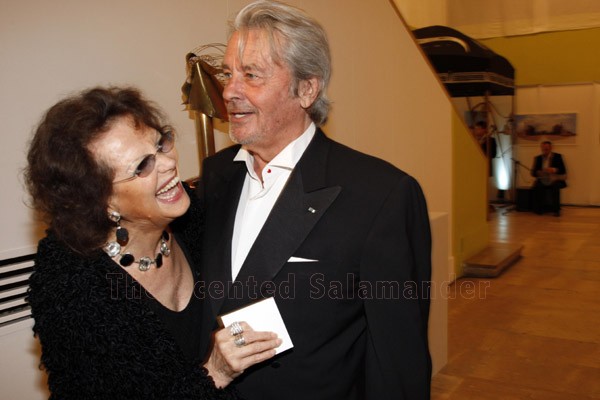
113	249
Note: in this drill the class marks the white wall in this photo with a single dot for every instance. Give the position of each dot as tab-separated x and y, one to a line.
387	100
20	377
438	312
51	48
582	158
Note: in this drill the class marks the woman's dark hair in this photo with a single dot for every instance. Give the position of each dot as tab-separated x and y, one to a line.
67	184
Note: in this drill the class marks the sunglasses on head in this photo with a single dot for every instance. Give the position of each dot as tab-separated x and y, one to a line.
146	166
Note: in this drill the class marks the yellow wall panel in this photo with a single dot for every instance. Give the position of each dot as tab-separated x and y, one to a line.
553	57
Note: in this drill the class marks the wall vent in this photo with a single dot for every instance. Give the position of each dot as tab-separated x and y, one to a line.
14	282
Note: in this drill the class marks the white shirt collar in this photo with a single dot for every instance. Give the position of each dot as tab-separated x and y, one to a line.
287	158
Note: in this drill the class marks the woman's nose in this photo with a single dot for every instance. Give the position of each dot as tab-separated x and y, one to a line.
166	162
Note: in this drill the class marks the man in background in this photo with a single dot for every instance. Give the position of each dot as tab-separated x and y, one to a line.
551	174
487	142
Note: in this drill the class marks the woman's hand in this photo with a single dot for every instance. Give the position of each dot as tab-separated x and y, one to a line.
232	353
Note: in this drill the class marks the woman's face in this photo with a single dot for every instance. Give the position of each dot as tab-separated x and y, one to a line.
144	201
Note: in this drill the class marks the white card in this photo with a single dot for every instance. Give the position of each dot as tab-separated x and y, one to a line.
262	316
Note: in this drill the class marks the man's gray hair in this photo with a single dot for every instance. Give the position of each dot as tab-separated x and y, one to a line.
297	40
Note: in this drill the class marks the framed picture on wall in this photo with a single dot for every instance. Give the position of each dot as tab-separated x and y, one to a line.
533	128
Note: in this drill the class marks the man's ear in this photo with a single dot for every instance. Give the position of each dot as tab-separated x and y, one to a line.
308	89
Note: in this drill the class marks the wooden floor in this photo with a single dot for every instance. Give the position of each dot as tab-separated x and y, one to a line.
534	331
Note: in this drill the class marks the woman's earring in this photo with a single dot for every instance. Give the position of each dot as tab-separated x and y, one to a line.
114	248
122	233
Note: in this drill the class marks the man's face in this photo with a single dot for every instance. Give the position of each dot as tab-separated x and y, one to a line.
546	148
263	111
479	131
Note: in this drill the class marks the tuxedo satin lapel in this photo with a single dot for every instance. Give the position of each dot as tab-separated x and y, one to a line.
220	223
294	215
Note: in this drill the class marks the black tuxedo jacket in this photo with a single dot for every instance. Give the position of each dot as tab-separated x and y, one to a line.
555	162
357	313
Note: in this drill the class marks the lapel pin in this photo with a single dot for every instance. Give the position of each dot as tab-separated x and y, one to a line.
311	210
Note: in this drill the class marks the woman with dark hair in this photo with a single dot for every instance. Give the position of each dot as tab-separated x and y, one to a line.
113	289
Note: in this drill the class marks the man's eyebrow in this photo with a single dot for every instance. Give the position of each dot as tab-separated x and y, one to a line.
245	67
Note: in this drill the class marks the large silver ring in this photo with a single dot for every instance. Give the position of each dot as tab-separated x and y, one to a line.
235	328
239	340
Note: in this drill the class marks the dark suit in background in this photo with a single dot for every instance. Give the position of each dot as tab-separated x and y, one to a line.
546	188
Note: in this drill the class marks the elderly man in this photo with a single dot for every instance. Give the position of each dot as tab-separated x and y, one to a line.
340	239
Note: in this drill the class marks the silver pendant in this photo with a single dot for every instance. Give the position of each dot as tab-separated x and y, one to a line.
164	248
145	263
112	249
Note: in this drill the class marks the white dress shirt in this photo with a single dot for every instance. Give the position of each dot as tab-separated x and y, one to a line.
546	161
258	198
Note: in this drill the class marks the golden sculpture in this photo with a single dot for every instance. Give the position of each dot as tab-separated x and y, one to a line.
203	93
